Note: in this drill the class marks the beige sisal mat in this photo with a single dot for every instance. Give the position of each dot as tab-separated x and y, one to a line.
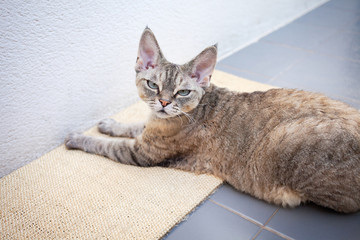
71	194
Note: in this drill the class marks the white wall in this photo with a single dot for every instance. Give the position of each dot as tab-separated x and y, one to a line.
65	65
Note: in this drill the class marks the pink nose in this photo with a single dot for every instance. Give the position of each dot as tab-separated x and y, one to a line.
164	102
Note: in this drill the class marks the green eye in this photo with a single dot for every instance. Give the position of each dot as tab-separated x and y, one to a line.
152	85
184	92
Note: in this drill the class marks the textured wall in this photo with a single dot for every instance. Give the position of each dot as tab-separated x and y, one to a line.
64	65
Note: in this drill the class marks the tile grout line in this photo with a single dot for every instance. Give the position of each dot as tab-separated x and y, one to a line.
298	61
344	59
337	31
285	45
262	227
278	233
270	229
237	213
312	51
257	234
272	215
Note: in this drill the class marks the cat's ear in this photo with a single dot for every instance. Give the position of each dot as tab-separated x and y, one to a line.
202	66
149	53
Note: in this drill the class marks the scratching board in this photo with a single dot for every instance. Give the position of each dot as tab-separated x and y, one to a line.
71	194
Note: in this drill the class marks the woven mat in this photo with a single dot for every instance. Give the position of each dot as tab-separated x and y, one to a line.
71	194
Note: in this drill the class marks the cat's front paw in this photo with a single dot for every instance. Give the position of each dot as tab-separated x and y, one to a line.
73	141
106	126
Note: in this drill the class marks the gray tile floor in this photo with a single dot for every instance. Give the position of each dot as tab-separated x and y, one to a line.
318	52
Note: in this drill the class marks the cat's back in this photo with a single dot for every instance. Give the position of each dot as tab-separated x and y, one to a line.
298	103
261	111
281	120
301	140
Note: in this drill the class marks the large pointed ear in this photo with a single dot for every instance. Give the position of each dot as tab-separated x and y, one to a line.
149	53
202	66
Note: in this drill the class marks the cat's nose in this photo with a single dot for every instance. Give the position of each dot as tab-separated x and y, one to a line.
164	102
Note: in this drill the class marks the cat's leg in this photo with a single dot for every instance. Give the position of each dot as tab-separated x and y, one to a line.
287	197
121	150
111	127
284	196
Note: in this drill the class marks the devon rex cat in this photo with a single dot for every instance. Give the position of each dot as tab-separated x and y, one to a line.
283	146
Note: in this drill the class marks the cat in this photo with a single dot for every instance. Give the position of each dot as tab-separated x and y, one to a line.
284	146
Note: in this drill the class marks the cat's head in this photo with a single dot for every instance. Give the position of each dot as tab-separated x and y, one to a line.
170	89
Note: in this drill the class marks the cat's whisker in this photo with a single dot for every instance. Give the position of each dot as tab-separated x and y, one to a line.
180	119
178	110
175	111
191	119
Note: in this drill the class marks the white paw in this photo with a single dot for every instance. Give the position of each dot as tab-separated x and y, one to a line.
105	126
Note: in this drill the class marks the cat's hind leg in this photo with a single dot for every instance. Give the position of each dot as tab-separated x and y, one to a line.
111	127
284	196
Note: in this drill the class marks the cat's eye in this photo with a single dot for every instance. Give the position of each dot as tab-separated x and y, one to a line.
184	92
152	85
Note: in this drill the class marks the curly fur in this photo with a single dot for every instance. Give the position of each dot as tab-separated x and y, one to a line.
283	146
